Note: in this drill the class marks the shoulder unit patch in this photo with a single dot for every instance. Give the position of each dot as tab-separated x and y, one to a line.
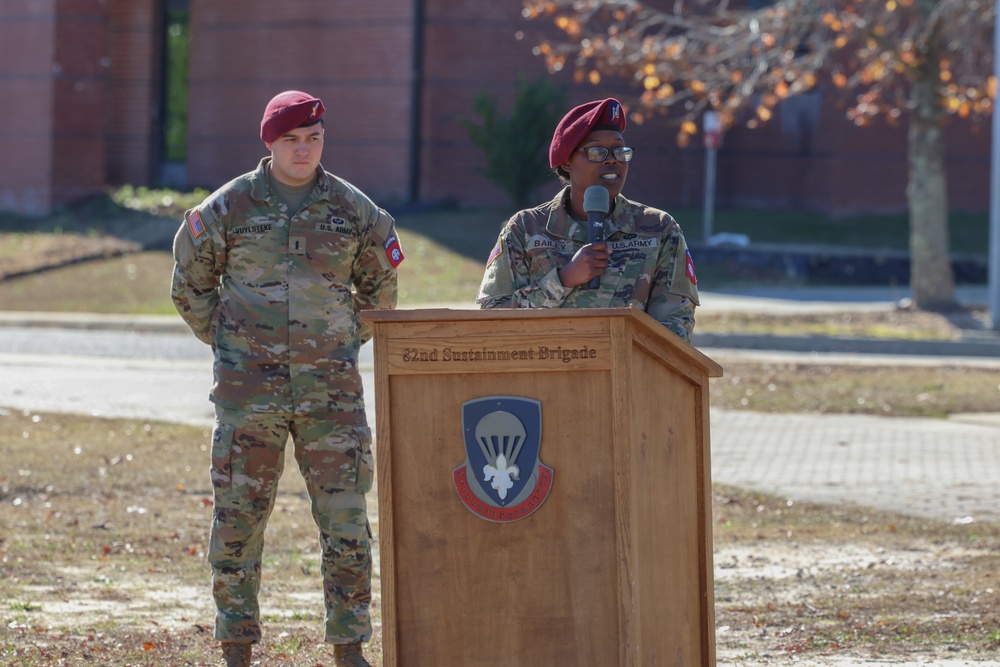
393	250
690	267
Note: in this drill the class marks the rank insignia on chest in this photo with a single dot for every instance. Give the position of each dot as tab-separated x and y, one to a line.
502	479
393	250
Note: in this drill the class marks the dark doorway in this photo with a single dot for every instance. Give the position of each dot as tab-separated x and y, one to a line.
173	131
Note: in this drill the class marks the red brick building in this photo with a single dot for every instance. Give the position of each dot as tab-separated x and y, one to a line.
81	100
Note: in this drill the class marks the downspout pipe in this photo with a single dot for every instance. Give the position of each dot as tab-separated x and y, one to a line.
416	102
994	237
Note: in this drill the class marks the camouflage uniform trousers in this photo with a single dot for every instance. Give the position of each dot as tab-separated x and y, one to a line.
247	460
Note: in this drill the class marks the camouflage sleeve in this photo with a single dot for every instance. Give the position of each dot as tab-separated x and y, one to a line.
199	261
508	282
674	294
375	268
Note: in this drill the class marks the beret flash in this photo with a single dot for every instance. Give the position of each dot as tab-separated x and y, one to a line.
287	111
581	121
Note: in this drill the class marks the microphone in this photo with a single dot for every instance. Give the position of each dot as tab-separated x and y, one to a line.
597	203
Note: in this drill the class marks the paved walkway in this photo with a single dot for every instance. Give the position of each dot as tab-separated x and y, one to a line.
944	469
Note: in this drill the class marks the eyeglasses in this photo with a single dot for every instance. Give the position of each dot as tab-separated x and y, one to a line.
600	153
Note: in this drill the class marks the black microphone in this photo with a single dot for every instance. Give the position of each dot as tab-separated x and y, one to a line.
597	203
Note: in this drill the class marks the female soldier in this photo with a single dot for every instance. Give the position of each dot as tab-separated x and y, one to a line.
543	258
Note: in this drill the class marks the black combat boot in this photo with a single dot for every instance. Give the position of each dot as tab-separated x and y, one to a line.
236	654
349	655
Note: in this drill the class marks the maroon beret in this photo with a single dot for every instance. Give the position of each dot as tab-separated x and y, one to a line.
287	111
581	121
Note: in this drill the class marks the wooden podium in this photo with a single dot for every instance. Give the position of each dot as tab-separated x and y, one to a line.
595	424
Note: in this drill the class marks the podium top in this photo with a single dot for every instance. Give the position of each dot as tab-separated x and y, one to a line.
634	315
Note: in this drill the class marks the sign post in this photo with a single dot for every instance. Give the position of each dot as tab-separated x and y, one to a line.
994	236
712	129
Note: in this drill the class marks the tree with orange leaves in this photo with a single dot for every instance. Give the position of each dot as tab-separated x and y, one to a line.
925	59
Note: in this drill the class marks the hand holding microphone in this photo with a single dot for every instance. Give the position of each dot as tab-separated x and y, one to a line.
590	261
597	203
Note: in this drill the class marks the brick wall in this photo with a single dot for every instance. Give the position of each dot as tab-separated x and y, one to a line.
353	55
27	96
54	97
809	157
822	162
79	100
491	60
134	84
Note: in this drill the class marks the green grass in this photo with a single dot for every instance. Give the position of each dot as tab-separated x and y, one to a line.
445	249
813	387
471	232
967	231
445	255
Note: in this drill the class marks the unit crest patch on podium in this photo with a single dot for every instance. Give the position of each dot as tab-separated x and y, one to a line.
502	478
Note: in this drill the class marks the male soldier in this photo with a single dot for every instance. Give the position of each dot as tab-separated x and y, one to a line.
543	258
271	271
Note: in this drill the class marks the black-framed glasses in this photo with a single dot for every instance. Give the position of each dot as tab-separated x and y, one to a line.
600	153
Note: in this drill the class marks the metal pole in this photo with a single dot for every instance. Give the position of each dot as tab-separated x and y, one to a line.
416	104
994	239
710	192
712	129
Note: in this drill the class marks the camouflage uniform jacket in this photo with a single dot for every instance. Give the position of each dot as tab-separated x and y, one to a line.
277	296
650	266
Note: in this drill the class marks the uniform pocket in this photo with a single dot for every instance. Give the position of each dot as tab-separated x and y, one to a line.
366	460
247	459
222	466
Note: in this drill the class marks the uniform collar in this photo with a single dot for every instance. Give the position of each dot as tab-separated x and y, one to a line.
260	189
560	223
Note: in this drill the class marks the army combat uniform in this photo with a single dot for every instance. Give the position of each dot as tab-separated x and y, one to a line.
277	296
649	266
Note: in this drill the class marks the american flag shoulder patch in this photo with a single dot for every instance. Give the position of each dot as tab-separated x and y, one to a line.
393	250
496	252
195	224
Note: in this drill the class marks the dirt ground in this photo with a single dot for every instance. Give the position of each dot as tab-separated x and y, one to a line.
774	623
757	623
809	584
766	610
795	584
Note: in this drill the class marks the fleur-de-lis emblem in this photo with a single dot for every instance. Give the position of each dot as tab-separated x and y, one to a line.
500	436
